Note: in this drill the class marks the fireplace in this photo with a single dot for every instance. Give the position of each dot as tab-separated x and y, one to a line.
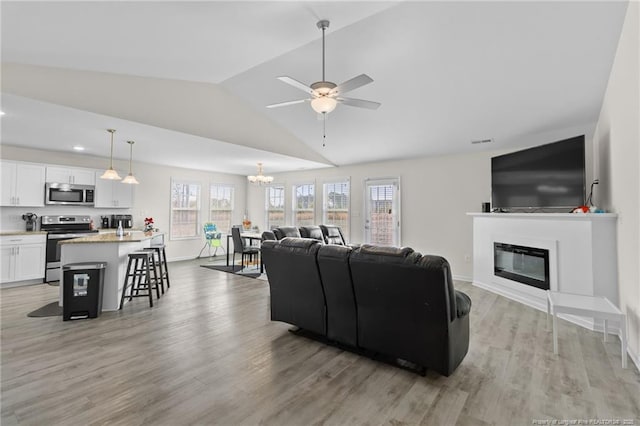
527	265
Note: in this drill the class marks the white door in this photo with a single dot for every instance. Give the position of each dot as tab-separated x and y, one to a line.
122	195
58	174
83	177
103	195
382	212
6	263
8	183
30	185
29	262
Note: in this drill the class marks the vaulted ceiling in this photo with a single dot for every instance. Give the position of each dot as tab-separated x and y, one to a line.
189	81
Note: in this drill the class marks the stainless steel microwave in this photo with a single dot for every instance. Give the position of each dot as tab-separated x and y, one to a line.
69	194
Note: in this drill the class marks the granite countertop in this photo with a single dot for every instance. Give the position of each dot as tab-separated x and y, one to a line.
9	233
129	237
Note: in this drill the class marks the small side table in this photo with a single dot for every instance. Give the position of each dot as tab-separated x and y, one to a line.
587	306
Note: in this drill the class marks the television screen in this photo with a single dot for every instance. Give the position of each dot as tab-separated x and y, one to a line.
546	176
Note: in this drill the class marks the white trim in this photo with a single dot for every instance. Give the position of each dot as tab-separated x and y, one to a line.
382	181
323	205
293	200
462	278
198	209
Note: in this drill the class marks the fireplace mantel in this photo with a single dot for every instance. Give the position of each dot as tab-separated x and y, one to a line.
584	247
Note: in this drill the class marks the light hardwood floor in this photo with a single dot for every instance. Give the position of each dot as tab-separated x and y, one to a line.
207	353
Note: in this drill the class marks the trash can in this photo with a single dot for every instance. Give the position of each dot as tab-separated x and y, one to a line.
82	290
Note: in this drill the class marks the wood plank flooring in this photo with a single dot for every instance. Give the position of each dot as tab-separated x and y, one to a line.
207	353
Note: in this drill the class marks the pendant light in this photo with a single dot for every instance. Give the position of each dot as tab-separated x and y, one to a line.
130	178
110	173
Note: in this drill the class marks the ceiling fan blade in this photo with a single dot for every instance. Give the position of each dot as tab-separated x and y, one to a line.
360	103
295	83
281	104
352	84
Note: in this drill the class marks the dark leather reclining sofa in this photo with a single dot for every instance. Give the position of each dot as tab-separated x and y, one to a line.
389	301
328	234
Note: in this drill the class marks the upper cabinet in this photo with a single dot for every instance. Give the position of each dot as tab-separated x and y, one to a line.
112	193
75	175
22	184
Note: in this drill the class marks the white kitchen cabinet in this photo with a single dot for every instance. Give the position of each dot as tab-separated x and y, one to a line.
113	193
74	175
22	184
22	257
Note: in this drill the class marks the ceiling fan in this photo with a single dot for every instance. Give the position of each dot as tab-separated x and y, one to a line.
325	95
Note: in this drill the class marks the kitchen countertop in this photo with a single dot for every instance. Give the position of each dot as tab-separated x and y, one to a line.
9	233
129	237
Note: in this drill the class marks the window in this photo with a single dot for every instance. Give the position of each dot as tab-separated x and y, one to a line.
304	204
336	205
274	206
221	206
382	212
185	210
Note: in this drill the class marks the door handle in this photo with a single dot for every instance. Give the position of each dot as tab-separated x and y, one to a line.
18	202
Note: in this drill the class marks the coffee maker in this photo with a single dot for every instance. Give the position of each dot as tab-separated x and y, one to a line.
104	222
31	219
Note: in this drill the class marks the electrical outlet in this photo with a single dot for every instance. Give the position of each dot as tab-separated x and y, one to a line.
467	258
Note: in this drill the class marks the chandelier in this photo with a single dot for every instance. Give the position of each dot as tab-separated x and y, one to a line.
260	178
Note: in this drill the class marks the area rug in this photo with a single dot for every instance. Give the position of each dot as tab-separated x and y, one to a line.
49	310
234	269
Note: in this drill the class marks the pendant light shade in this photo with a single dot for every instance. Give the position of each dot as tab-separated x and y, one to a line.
110	173
130	178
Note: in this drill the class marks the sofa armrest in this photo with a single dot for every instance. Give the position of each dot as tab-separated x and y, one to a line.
463	304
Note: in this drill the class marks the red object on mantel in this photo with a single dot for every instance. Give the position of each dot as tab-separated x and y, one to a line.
581	209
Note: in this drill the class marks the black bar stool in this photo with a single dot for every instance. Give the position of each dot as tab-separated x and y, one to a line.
162	264
138	277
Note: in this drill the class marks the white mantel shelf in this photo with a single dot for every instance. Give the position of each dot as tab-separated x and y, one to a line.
582	254
554	216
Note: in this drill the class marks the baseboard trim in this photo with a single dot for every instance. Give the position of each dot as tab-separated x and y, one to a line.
635	358
462	278
178	259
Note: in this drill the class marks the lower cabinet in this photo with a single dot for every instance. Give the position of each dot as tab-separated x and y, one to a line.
22	257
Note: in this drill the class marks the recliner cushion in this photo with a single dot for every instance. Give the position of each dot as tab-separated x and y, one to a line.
286	231
332	235
313	232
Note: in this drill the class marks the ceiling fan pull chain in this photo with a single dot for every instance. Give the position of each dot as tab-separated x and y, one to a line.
324	129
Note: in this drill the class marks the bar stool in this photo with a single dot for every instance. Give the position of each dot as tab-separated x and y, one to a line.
138	277
156	267
162	263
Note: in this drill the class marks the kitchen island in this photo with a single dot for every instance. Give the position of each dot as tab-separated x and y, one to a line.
107	248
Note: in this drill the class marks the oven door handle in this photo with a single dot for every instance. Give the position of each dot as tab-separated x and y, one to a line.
63	236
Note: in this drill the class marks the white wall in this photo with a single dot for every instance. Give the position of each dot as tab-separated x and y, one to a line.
436	194
617	141
151	197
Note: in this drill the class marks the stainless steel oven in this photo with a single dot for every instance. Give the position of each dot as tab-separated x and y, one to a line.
60	228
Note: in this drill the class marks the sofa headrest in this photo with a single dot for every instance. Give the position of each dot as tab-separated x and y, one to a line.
305	246
268	235
311	232
286	231
330	251
332	234
386	254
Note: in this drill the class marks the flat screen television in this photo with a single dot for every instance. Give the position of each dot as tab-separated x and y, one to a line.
546	176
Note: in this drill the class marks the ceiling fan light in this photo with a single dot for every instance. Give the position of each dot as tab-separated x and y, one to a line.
323	104
110	174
